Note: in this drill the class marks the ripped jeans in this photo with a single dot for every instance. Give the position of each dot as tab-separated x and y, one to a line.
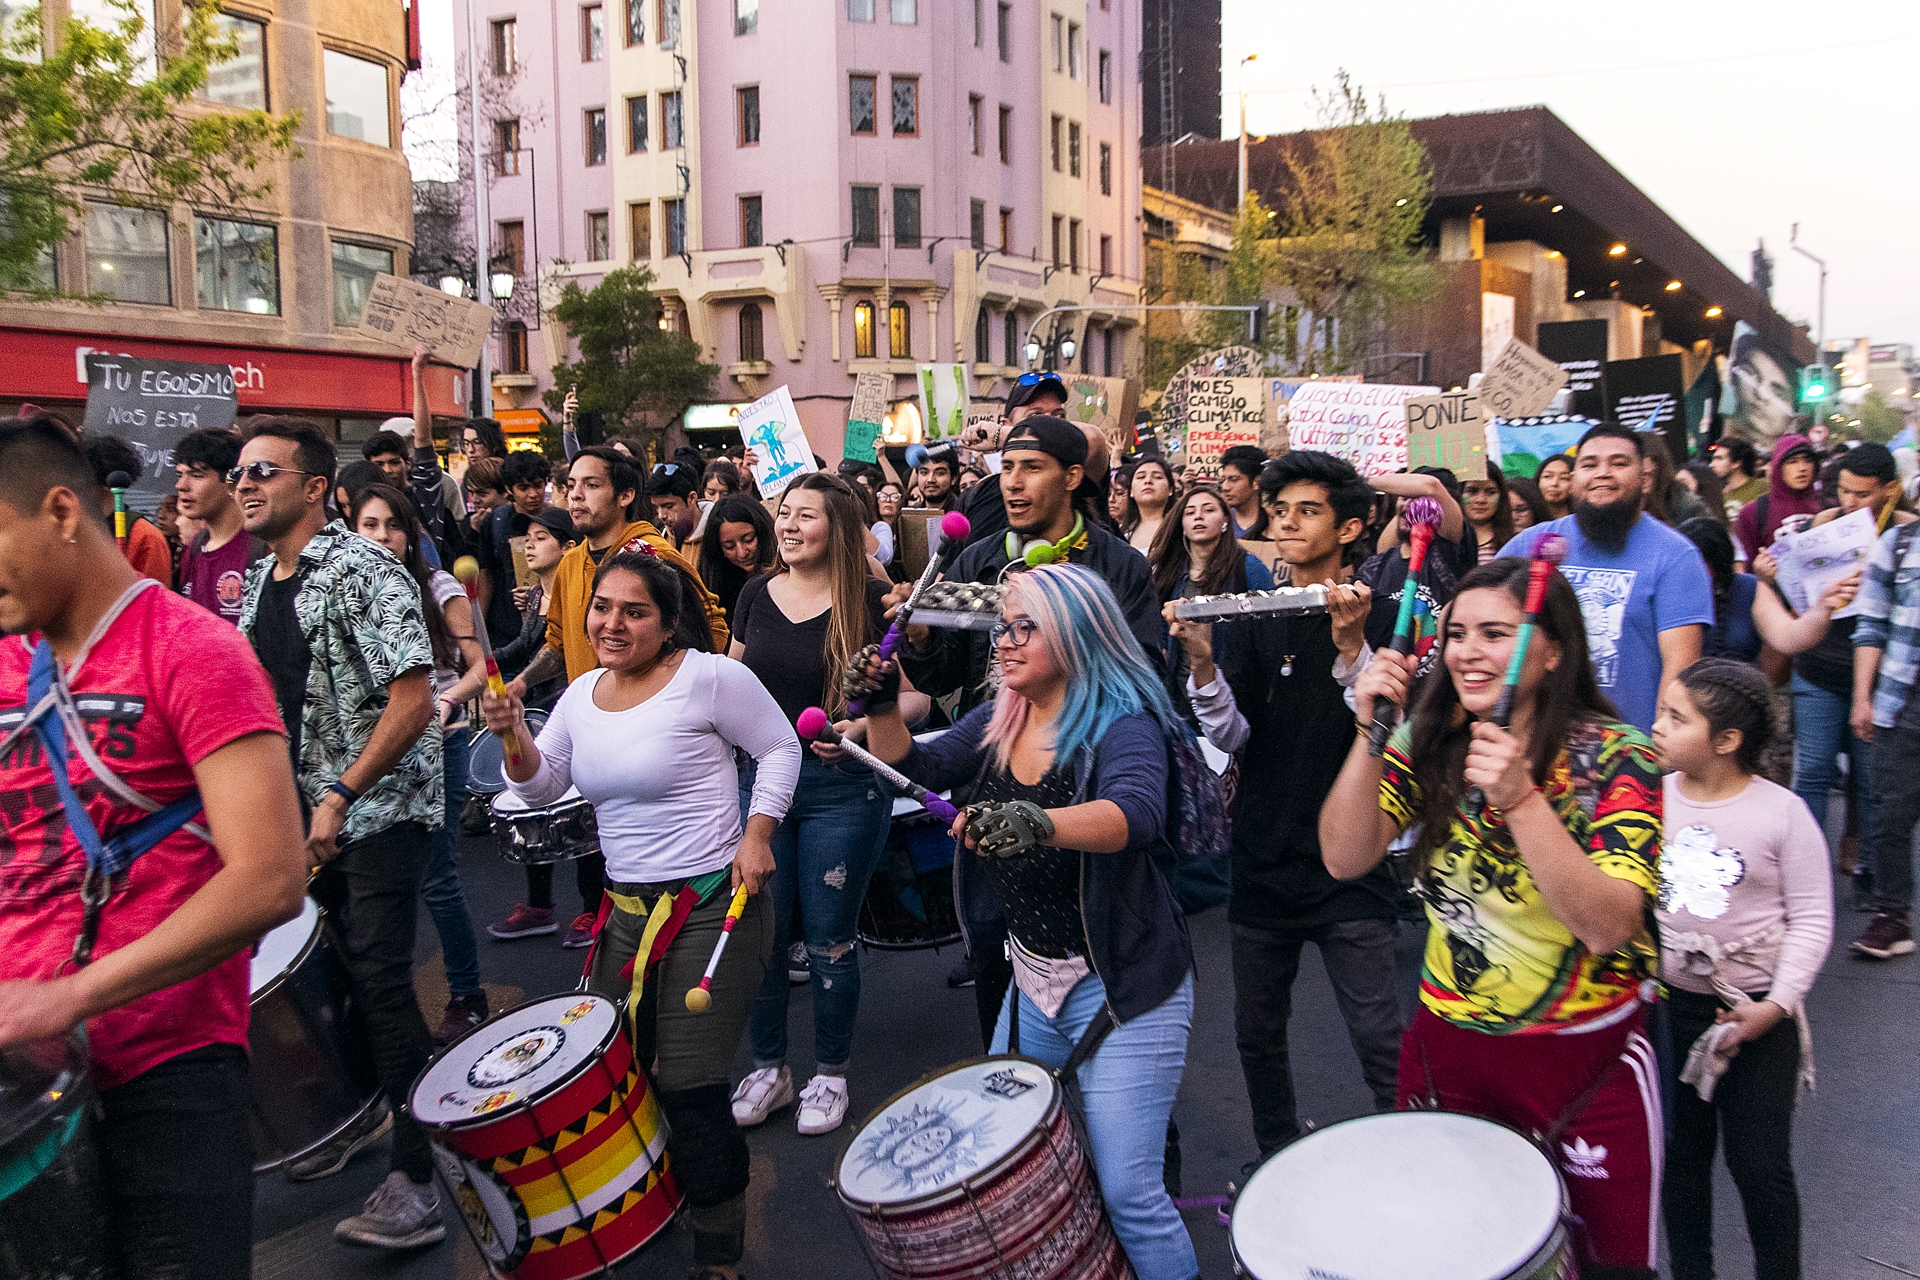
824	853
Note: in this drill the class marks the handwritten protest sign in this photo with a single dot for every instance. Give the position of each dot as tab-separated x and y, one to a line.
870	392
402	312
1107	403
1811	561
151	404
770	426
1447	431
1363	422
861	442
1221	413
1520	382
944	397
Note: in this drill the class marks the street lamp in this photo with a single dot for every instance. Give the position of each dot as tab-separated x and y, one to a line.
1793	242
1243	124
501	278
1058	350
453	286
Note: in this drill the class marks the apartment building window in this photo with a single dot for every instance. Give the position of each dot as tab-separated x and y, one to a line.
977	223
1010	335
859	10
667	23
860	96
1106	255
906	12
748	103
640	230
751	234
510	243
1086	351
979	23
973	123
753	341
1106	76
596	135
637	123
127	255
899	331
593	33
599	237
515	342
671	135
1058	26
1053	141
1059	231
1073	245
240	81
1006	231
1005	32
1006	135
863	330
1106	168
506	142
506	47
1073	148
676	211
636	22
983	336
906	106
1073	50
866	216
356	98
746	17
1110	353
354	267
236	267
906	217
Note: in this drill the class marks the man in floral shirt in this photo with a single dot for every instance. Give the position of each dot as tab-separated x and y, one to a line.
337	623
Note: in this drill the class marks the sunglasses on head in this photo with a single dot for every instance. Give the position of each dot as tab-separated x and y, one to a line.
261	472
1035	379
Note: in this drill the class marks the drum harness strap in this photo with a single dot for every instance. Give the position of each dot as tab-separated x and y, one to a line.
664	921
53	717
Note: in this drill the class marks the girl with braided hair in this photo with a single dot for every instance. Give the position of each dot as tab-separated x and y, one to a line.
1746	919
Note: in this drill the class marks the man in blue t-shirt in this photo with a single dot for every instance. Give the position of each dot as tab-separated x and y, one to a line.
1645	591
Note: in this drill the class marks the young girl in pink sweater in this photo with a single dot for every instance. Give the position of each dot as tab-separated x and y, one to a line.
1746	918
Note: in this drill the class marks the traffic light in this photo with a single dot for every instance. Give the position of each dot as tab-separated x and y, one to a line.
1816	384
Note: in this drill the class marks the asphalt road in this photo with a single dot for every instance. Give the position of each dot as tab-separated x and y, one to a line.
1857	1139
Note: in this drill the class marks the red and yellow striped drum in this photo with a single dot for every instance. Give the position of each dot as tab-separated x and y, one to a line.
550	1138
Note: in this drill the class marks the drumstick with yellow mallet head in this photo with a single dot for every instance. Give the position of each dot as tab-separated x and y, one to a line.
467	569
700	999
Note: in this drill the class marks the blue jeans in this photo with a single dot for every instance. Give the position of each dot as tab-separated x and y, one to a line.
824	853
446	900
1127	1088
1821	731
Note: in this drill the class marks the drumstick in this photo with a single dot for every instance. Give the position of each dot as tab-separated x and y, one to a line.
467	569
1547	553
700	998
954	529
1422	517
814	725
118	483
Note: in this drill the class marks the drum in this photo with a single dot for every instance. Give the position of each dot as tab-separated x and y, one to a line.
556	832
550	1139
53	1208
312	1069
975	1171
1409	1193
909	902
487	757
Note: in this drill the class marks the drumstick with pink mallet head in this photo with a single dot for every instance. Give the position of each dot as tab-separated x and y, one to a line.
700	998
954	529
815	727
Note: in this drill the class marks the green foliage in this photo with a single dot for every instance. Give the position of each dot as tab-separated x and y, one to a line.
1241	280
630	369
1879	421
98	116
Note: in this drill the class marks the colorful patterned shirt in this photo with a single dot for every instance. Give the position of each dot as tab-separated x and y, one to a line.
1890	620
1497	960
359	611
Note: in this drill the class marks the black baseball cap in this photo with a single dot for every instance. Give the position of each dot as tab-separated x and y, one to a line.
555	519
1055	437
1029	386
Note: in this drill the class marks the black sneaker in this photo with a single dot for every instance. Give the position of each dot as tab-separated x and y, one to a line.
964	974
463	1014
1887	936
333	1157
799	967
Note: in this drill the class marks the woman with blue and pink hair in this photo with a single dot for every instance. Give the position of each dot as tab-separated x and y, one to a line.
1065	779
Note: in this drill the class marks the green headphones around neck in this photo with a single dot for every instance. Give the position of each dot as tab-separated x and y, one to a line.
1040	551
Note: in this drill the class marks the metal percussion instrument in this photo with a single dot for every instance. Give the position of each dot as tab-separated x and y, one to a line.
962	606
487	756
53	1207
556	832
1281	602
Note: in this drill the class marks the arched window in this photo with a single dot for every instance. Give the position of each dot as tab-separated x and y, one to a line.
863	330
752	341
983	337
899	331
1013	340
516	343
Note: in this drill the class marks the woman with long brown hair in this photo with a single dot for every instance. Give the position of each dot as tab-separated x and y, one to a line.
797	627
1196	554
1538	964
1150	490
1489	510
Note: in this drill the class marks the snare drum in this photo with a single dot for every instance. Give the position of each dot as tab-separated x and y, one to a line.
487	756
312	1070
909	902
975	1172
548	1135
1409	1193
556	832
53	1209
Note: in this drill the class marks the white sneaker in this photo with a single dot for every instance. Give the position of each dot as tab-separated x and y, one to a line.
823	1105
761	1094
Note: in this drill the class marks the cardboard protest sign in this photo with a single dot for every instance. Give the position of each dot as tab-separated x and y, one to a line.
151	404
865	416
1107	403
1363	422
1520	382
1221	413
944	397
1811	561
402	312
770	426
1520	445
862	442
1447	431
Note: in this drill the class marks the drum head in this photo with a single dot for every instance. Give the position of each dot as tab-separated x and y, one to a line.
279	950
487	757
516	1057
34	1080
945	1130
507	804
1412	1193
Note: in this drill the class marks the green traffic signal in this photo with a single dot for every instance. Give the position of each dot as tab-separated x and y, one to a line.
1816	384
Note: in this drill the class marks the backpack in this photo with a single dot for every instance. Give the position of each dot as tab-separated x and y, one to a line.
1196	861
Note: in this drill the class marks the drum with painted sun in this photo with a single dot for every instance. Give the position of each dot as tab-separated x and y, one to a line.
975	1171
550	1139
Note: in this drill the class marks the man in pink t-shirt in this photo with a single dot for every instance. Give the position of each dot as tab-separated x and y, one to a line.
171	701
213	567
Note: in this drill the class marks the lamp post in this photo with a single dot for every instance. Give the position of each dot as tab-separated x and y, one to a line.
1243	127
482	379
1058	350
1793	242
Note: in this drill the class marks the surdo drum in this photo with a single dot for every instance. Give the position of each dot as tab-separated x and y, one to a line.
557	832
909	903
1382	1197
487	756
550	1139
975	1171
53	1210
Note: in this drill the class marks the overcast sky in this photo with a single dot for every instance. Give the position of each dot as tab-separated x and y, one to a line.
1713	110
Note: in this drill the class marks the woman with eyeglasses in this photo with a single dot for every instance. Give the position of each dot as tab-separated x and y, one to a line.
1489	511
1065	781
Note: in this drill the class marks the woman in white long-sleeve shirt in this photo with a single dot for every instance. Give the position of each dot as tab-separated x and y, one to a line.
648	740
